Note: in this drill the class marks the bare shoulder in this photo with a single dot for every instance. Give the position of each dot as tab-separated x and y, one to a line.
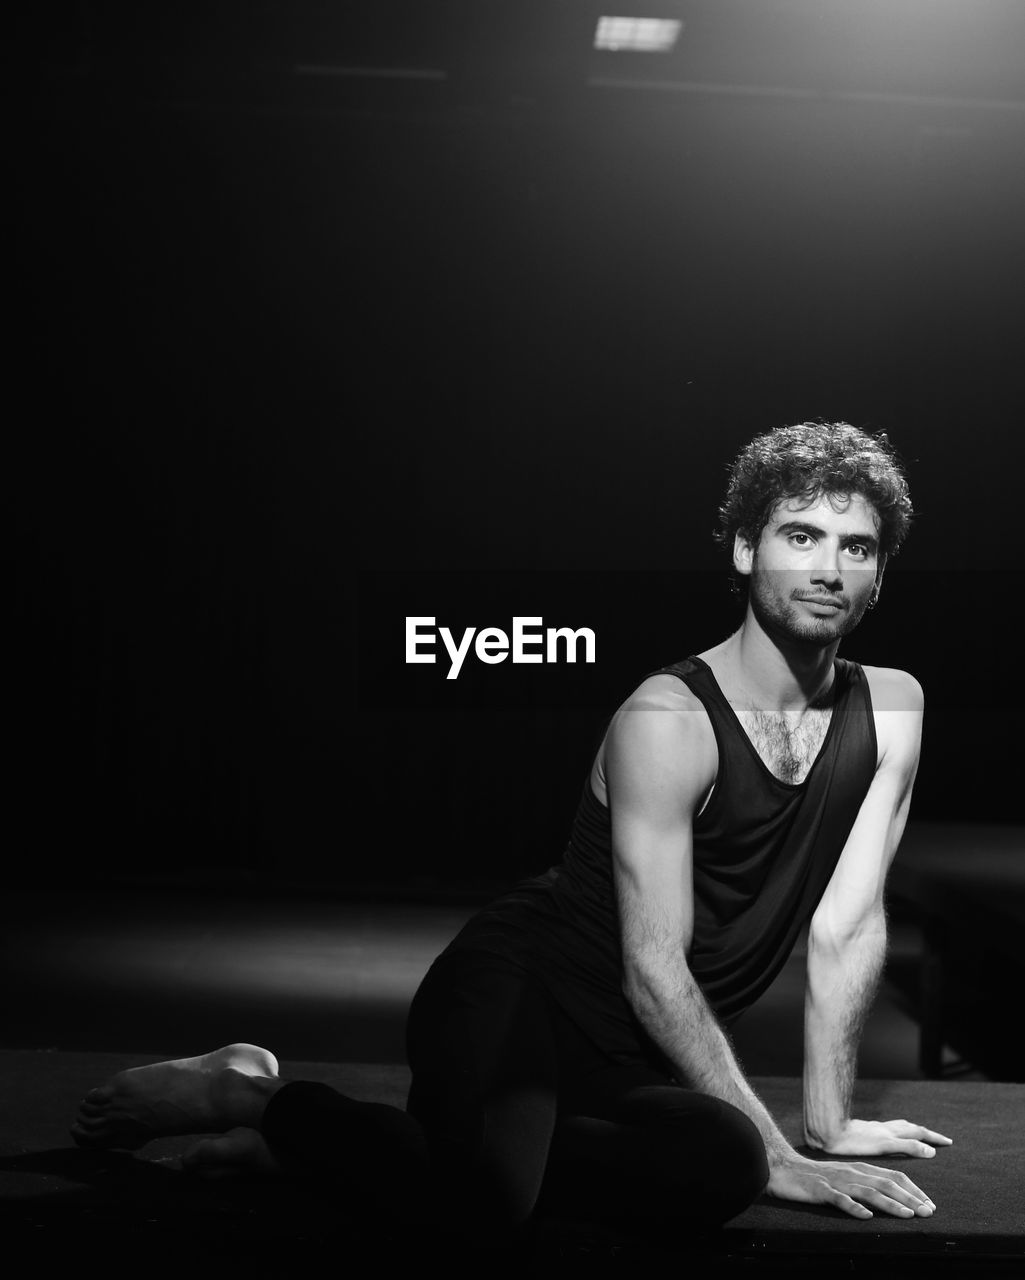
898	702
662	703
894	690
661	737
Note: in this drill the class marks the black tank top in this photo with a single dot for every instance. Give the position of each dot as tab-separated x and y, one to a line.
764	851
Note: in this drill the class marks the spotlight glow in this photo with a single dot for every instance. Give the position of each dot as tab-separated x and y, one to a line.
637	35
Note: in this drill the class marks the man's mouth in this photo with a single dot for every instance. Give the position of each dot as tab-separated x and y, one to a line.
833	601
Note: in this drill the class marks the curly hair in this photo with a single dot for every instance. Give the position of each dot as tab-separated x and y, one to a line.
807	461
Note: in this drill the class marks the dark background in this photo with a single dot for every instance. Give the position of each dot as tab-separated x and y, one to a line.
317	312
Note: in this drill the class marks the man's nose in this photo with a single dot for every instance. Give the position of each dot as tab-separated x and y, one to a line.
827	567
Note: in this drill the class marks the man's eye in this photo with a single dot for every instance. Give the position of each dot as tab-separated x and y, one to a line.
805	536
857	550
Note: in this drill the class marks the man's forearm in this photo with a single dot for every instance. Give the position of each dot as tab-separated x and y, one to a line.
842	980
676	1015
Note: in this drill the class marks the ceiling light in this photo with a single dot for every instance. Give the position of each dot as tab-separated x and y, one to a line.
637	35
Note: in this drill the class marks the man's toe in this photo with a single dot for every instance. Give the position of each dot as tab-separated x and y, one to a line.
89	1123
86	1137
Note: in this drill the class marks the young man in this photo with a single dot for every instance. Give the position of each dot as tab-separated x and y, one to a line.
568	1049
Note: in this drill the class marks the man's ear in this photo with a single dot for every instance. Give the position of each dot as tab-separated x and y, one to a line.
743	555
877	588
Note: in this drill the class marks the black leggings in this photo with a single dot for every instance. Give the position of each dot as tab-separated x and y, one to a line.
512	1109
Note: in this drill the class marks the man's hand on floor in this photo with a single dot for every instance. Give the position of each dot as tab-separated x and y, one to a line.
884	1138
856	1189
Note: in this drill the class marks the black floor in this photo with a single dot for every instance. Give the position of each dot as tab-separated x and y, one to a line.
325	977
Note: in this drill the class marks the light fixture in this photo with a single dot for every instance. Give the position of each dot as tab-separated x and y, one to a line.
637	35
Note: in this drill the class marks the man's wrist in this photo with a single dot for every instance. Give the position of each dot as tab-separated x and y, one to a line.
781	1155
778	1151
823	1135
826	1098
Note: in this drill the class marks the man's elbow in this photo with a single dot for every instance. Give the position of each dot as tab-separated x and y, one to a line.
833	936
649	984
639	984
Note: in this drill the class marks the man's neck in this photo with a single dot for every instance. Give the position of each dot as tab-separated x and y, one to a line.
758	670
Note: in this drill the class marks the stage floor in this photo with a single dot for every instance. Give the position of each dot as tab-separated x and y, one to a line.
59	1195
108	975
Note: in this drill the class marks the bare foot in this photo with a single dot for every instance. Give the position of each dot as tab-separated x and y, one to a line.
239	1151
185	1095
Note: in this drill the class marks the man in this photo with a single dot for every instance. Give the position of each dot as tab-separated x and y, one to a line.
568	1048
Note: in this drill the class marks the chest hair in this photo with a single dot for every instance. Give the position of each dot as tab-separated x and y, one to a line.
787	744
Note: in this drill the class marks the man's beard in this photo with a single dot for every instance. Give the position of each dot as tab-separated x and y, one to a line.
771	598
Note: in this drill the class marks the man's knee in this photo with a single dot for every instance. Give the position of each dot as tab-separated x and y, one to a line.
743	1170
489	1177
718	1141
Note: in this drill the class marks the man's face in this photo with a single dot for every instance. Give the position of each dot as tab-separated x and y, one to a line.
814	569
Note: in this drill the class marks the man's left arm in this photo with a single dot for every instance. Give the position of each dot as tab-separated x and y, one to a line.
847	940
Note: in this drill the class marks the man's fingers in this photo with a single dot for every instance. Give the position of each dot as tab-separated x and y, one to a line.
855	1189
892	1175
905	1194
877	1197
848	1204
905	1129
909	1147
896	1188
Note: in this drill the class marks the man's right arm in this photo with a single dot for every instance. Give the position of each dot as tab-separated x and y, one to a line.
660	760
659	763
